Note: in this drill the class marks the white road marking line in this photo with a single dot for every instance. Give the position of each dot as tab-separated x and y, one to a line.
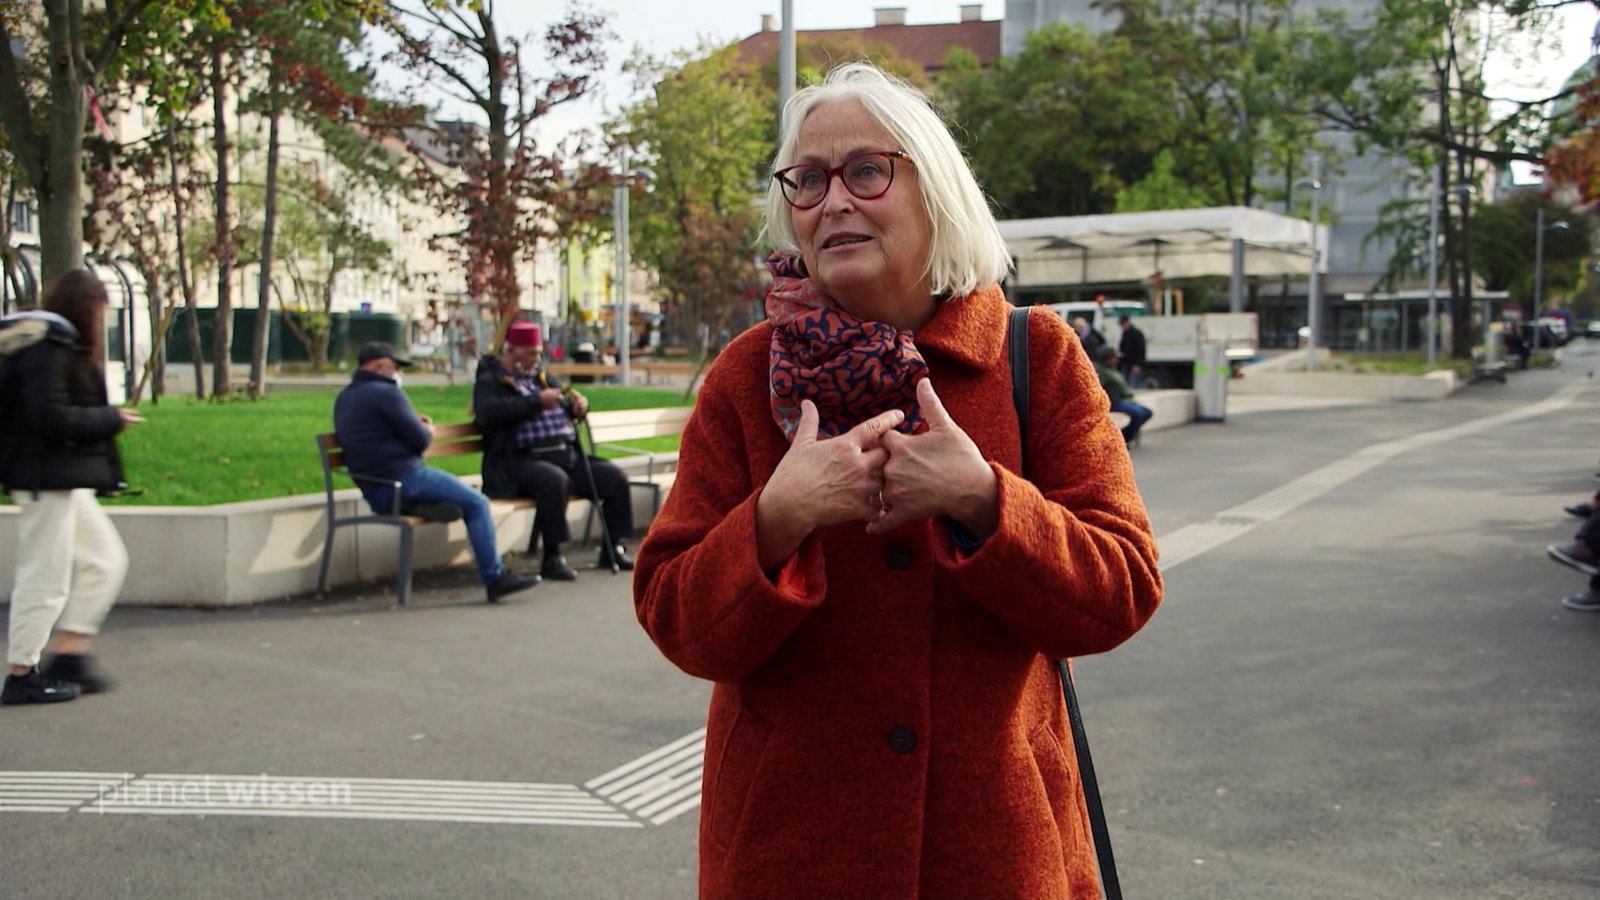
1191	541
662	784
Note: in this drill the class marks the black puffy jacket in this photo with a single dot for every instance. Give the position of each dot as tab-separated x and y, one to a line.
57	430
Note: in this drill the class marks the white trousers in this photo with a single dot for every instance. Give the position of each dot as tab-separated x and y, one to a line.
70	565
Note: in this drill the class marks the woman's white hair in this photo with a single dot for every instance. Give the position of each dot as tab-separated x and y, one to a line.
967	250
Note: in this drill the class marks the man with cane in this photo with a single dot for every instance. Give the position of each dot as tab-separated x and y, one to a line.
531	449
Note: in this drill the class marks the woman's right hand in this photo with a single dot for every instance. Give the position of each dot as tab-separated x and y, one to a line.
821	482
129	417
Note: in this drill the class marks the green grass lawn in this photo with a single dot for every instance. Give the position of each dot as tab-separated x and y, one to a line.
191	453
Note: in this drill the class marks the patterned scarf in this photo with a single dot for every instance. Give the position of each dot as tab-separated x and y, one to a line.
851	369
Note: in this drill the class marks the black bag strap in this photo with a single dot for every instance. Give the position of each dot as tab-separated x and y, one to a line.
1020	378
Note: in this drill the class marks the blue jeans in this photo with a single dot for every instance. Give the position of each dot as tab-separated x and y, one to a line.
1137	413
425	485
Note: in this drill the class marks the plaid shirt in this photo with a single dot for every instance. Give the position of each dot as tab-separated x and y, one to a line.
546	426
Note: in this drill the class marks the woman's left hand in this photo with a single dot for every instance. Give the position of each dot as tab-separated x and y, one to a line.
940	472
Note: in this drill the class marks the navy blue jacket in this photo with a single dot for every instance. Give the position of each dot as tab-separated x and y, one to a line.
379	431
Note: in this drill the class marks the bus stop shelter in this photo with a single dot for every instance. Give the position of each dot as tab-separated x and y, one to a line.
1233	242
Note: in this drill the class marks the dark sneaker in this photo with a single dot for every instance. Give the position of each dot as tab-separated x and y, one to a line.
1575	553
78	669
434	512
618	555
1578	510
510	583
555	568
1588	601
34	687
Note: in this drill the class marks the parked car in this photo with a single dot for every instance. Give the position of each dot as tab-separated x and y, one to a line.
1552	331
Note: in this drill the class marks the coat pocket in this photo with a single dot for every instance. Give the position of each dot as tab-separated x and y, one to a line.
1058	775
728	785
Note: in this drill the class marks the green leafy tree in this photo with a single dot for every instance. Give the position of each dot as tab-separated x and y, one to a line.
705	130
323	239
1058	129
46	123
1161	189
1409	81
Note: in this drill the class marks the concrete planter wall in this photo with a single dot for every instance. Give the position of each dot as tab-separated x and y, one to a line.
1433	386
241	553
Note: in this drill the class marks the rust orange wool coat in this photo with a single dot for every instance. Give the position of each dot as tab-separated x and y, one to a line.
886	722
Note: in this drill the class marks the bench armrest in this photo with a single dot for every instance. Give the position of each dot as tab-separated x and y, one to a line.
389	481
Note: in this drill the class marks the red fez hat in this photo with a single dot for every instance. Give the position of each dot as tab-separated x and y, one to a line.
523	334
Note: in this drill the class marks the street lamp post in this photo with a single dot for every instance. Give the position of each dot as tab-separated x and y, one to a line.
1433	263
619	217
1539	228
1314	283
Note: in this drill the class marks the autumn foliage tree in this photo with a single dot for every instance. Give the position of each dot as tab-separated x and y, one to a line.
489	173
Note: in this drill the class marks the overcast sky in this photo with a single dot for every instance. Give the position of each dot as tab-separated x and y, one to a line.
661	26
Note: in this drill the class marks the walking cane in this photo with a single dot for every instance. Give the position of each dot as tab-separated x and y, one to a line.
598	506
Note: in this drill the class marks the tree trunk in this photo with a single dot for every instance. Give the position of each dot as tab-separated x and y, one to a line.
258	349
222	249
185	284
61	192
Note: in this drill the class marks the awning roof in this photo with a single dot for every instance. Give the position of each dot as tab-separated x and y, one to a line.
1182	243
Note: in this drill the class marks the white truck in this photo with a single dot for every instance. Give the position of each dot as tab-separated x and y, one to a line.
1172	343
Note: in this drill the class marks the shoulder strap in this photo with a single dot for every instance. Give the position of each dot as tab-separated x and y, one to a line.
1020	377
1018	340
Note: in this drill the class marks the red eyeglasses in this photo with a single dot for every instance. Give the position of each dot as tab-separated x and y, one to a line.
866	176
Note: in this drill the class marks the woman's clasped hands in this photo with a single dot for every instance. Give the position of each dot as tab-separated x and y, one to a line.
876	475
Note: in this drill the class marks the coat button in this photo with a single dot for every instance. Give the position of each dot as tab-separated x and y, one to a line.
898	557
902	739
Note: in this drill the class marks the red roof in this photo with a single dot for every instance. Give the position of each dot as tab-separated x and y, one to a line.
925	45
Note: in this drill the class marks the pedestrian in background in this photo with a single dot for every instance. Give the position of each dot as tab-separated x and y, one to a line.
1092	340
1121	395
531	449
852	554
384	438
58	450
1130	351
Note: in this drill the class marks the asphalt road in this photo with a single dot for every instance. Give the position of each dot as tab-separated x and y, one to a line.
1361	684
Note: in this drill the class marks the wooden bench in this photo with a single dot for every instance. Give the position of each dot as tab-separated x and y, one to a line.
448	440
463	438
569	369
607	429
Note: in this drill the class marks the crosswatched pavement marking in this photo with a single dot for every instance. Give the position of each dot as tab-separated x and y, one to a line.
649	791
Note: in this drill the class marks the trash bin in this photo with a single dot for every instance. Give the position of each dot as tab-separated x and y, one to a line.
1211	374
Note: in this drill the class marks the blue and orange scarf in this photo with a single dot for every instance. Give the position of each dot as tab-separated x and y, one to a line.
850	368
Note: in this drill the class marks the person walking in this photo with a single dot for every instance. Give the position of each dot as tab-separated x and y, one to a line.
852	555
1131	352
531	449
58	450
384	438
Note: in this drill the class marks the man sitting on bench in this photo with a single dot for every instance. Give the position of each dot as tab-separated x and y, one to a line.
530	449
383	438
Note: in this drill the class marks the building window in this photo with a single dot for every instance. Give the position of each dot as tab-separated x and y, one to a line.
22	217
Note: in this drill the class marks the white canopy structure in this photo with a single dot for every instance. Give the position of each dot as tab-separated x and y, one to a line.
1229	241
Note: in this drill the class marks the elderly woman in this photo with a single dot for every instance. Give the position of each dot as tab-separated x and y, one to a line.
850	553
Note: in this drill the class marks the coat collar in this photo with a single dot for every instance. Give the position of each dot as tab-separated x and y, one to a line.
969	331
